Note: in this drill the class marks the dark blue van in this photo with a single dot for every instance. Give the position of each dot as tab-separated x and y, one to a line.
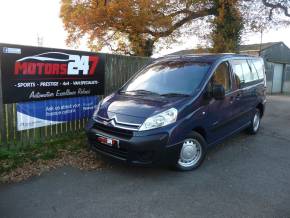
177	107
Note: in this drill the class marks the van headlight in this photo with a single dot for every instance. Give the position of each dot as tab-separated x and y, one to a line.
162	119
95	114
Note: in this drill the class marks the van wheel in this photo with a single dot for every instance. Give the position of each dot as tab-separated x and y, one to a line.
255	123
192	152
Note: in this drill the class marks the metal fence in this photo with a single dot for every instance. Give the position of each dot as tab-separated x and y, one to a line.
118	69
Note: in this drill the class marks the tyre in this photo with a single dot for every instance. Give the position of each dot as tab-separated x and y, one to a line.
192	152
255	123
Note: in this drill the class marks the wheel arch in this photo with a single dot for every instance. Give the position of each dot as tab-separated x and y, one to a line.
261	107
201	131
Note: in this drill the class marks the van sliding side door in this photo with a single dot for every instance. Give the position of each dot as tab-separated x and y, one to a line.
242	100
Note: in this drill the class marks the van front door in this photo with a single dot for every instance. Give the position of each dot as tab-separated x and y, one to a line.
220	123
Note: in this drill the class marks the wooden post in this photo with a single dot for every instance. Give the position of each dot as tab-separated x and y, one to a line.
2	125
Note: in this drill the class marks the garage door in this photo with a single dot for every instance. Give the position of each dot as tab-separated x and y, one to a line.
277	78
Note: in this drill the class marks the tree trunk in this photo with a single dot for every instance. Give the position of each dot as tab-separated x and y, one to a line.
227	27
141	46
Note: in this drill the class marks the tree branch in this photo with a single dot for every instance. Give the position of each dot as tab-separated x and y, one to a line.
191	16
276	6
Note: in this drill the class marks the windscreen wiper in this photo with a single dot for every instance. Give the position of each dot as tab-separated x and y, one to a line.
174	94
141	92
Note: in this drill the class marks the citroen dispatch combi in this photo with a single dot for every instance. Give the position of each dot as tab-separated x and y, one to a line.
175	108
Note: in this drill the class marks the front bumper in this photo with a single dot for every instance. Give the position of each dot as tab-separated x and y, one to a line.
132	149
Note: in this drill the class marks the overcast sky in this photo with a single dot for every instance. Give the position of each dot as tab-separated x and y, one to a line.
21	21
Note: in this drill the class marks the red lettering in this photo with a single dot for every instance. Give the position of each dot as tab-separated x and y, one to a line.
63	69
31	70
55	69
40	68
20	68
94	62
47	69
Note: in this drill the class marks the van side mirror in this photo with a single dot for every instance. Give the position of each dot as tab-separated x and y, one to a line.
218	92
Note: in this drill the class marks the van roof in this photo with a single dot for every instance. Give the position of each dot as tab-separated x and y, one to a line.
210	57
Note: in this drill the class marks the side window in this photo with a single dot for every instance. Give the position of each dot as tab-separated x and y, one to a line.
248	76
246	72
222	76
253	69
238	72
259	65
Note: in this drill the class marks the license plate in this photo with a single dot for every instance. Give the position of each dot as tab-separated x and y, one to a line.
108	141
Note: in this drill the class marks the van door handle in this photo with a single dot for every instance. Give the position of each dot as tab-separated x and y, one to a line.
238	96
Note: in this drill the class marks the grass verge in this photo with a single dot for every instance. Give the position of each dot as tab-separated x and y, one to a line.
20	163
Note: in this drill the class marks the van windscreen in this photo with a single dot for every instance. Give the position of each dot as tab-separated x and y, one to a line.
169	77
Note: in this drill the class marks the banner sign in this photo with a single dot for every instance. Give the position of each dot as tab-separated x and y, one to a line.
35	73
49	112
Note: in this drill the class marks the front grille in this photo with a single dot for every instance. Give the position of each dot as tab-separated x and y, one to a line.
114	131
121	153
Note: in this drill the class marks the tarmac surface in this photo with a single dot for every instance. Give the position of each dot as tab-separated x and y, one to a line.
246	176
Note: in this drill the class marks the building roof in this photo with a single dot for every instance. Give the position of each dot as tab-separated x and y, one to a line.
250	47
258	47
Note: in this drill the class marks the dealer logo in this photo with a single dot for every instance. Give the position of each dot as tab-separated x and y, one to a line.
56	63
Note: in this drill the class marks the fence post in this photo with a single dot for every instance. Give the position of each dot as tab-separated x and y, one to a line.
2	126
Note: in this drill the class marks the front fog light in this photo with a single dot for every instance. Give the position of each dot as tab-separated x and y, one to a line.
162	119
